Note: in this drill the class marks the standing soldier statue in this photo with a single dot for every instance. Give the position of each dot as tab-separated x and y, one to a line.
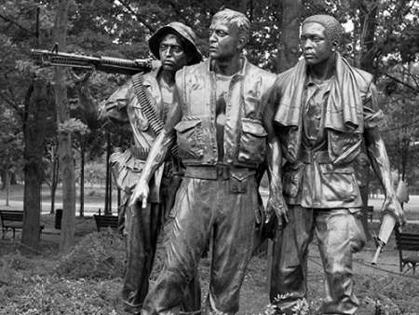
222	120
143	103
326	109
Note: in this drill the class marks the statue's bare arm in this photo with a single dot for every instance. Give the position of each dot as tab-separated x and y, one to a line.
157	156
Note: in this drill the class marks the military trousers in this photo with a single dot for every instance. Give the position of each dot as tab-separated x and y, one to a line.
340	234
142	230
220	209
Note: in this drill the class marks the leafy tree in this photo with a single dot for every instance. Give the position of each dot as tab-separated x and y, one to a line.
395	56
383	36
401	124
10	147
65	128
38	108
21	92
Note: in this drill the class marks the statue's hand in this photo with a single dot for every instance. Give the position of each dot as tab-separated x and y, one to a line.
81	79
277	206
392	205
140	194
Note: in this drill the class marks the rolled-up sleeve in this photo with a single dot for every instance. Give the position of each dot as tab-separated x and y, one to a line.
115	107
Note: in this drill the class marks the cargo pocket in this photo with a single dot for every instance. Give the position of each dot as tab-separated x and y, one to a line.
356	233
238	182
291	180
252	148
189	139
339	184
344	147
126	170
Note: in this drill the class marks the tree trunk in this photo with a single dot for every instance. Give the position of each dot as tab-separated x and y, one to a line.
82	162
69	191
108	189
65	151
31	205
7	186
289	41
13	180
368	22
54	179
38	103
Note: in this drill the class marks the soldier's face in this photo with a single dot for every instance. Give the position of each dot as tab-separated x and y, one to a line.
316	47
224	40
172	55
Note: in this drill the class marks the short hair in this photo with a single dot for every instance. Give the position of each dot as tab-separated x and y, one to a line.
333	29
237	18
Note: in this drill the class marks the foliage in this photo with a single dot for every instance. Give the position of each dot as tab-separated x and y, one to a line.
31	285
104	253
53	295
10	140
72	125
401	131
28	285
383	37
95	172
122	28
302	306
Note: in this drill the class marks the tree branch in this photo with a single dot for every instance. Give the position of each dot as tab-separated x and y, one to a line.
17	24
137	16
414	89
12	104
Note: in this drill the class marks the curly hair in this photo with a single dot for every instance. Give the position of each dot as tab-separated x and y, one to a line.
334	29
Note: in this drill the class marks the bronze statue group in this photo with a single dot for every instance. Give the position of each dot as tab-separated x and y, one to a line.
223	123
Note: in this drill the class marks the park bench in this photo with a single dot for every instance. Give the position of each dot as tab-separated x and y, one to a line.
12	220
407	242
104	221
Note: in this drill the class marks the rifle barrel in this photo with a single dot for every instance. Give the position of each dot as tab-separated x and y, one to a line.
106	64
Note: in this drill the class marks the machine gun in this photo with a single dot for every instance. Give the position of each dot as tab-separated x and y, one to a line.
106	64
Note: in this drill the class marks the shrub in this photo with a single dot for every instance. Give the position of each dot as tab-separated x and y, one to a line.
99	255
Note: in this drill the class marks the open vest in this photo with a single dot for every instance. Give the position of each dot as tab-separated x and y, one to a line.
244	133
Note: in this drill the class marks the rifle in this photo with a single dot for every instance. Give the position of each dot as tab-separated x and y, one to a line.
106	64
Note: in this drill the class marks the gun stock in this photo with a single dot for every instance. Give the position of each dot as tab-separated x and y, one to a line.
100	63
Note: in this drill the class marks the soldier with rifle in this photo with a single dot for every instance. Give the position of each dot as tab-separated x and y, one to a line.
144	102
